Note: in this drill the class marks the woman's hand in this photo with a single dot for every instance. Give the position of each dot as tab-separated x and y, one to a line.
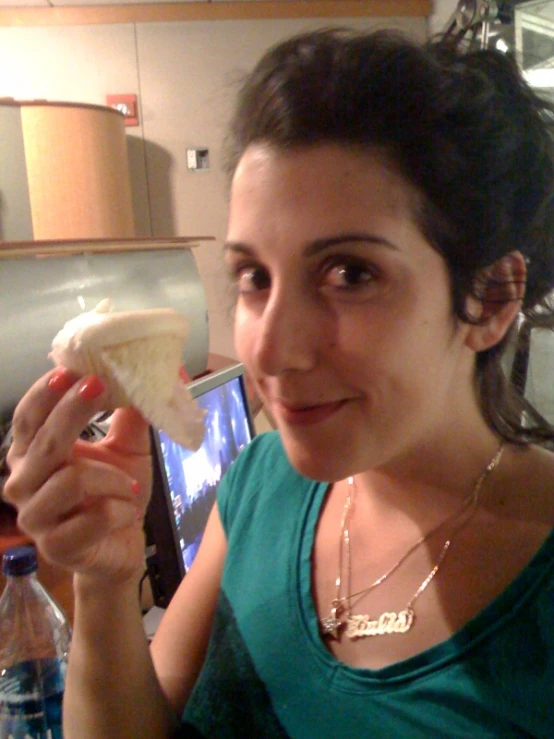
82	503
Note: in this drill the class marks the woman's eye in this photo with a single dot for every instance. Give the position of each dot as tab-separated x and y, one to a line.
251	279
349	275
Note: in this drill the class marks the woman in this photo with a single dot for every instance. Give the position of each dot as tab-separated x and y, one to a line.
384	564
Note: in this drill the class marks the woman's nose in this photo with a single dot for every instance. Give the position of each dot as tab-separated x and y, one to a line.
289	334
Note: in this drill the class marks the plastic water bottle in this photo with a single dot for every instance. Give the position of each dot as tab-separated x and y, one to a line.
34	642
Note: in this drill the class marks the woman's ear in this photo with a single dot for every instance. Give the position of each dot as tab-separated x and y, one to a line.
498	294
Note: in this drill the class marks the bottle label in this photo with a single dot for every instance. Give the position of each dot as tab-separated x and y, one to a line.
31	699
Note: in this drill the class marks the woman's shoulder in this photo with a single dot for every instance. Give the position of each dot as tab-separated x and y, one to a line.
262	474
265	452
519	510
529	489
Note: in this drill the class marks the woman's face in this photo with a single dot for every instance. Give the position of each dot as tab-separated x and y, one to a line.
344	317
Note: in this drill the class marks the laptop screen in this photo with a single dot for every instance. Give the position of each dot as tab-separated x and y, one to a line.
185	482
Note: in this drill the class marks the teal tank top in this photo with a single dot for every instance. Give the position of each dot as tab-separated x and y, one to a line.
267	673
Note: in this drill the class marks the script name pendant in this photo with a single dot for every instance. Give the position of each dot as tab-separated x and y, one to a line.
387	623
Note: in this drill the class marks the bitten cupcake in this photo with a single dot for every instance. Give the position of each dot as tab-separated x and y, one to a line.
138	354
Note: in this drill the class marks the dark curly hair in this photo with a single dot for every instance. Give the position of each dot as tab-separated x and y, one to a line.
462	126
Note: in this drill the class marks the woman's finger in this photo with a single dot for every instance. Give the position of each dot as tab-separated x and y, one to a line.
128	433
126	446
75	487
36	405
51	444
76	542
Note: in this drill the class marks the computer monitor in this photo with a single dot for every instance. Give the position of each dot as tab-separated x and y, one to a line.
185	483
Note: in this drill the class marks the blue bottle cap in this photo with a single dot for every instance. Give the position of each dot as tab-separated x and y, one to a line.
19	561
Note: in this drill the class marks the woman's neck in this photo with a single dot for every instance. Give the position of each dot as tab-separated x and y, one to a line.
428	482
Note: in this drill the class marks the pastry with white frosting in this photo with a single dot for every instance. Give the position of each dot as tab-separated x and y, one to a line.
138	354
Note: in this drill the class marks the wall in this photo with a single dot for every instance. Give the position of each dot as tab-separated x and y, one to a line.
185	75
15	206
442	12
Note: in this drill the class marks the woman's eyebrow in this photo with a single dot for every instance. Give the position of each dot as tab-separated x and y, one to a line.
348	238
318	245
237	246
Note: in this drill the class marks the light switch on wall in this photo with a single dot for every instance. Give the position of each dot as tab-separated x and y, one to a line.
198	159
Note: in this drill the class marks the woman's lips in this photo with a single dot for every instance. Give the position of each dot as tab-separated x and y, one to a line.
308	415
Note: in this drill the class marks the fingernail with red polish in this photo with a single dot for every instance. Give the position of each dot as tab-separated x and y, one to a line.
91	387
135	488
61	380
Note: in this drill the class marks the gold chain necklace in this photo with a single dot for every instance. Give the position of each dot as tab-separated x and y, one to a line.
391	622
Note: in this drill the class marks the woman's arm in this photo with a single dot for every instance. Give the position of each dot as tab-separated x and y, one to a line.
116	686
181	640
83	505
111	686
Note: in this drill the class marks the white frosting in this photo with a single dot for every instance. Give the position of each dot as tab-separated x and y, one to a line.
146	376
99	328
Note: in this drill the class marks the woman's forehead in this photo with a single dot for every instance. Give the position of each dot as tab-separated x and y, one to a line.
263	154
321	176
288	204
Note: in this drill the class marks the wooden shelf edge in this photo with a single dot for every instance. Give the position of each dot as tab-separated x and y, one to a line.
39	249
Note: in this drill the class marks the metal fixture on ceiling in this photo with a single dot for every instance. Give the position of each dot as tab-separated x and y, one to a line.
524	28
474	21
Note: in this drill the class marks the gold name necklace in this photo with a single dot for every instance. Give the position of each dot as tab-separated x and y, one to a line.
391	622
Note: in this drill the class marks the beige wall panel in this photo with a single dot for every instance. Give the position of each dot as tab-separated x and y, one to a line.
442	12
80	64
15	209
77	172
